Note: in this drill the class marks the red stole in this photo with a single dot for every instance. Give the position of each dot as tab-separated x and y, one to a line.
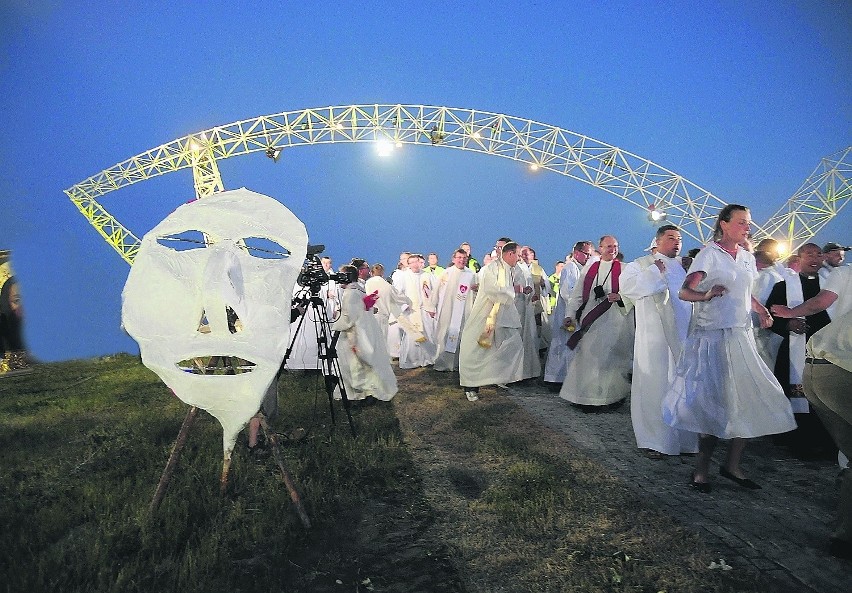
593	274
601	307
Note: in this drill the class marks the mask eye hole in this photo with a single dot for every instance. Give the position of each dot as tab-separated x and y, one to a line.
264	248
185	241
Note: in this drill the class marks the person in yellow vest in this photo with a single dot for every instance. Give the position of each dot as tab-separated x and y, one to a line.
471	261
433	267
554	284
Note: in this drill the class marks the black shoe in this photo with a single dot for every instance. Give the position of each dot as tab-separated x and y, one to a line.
744	482
702	487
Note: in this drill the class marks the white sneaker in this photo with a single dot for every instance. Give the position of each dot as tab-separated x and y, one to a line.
502	386
471	395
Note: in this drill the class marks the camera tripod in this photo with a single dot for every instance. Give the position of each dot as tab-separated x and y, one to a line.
314	309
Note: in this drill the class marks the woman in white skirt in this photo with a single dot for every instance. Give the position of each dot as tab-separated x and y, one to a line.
722	388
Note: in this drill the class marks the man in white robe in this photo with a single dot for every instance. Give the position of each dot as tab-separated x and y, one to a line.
388	305
364	360
417	346
540	298
598	375
558	354
453	301
491	345
652	283
531	366
833	255
394	333
768	275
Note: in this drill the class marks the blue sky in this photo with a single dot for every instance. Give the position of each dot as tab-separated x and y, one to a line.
741	98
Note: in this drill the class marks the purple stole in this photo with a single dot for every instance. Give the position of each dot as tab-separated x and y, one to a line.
601	307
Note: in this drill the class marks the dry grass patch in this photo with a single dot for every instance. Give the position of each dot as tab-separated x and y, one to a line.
526	512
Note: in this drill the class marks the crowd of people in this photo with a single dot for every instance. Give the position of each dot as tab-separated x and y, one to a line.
727	342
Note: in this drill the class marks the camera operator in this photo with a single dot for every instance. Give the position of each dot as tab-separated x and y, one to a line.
362	351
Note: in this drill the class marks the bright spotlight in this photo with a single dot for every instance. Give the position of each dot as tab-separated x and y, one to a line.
477	135
384	148
656	216
534	167
783	249
398	144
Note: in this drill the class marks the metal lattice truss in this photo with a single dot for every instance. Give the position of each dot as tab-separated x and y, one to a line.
817	201
541	146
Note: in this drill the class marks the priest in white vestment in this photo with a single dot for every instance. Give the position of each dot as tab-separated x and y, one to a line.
491	345
394	333
453	301
558	354
531	366
768	275
417	322
652	283
599	373
364	361
388	305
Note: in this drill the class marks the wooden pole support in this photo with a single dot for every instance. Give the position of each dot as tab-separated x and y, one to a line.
177	448
288	480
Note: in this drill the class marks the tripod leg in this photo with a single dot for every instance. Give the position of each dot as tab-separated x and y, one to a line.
177	448
288	480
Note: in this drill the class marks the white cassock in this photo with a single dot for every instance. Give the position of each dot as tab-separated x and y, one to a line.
598	374
494	306
453	301
386	309
662	323
364	360
767	341
394	333
417	345
531	366
559	355
544	330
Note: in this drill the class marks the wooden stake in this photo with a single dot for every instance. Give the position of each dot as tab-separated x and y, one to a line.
177	448
226	466
288	480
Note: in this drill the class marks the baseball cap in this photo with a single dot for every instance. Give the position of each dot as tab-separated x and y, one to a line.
834	247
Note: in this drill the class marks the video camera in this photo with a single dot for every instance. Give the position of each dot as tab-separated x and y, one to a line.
313	275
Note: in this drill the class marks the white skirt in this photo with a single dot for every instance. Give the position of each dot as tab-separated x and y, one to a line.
722	387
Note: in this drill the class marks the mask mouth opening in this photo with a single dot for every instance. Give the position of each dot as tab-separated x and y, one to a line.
216	365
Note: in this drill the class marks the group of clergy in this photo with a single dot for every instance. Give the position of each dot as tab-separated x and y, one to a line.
615	330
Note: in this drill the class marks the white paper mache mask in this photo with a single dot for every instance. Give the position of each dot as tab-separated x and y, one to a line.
169	292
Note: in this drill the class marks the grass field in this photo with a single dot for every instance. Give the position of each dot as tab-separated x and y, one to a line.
434	495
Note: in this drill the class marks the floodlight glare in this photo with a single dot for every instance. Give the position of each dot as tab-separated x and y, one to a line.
384	148
534	167
656	216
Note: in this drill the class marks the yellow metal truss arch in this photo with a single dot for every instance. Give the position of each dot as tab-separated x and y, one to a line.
618	172
823	194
